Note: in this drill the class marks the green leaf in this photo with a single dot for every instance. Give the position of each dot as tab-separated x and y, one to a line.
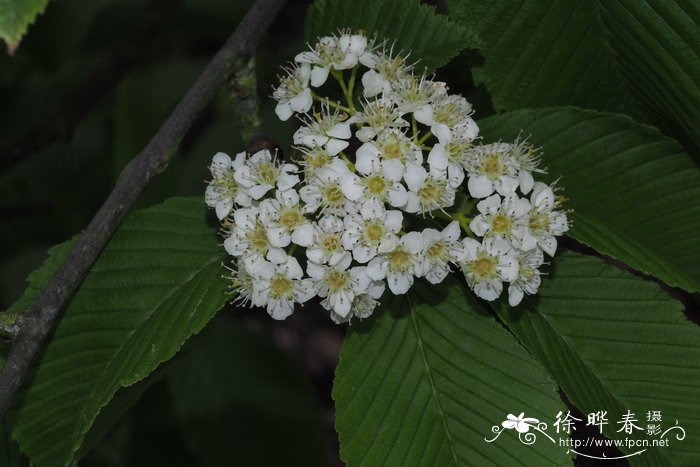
615	342
417	28
234	392
657	46
633	191
158	282
15	18
427	378
543	53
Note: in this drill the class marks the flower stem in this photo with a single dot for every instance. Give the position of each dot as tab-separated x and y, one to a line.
351	165
330	103
338	75
351	87
464	223
423	138
463	220
414	126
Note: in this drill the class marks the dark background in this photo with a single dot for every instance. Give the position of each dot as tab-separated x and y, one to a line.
87	88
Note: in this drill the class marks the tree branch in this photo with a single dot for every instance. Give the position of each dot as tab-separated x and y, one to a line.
39	319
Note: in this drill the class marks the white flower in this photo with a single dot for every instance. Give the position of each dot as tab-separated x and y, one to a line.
427	191
449	159
324	191
441	248
279	286
327	244
293	93
385	68
544	223
352	44
393	148
340	53
526	161
448	117
286	221
373	230
241	283
364	304
323	55
374	83
381	179
348	213
223	191
329	130
528	279
338	284
400	265
495	167
487	265
249	239
261	173
502	218
377	115
314	158
410	92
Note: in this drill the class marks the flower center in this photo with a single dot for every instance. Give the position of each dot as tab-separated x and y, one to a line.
430	192
267	173
443	114
280	286
290	218
399	260
316	159
374	232
457	152
337	280
526	271
483	268
392	150
258	238
331	242
436	251
391	67
333	194
376	185
501	224
492	166
229	185
539	222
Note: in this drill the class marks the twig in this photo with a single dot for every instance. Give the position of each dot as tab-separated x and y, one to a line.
242	90
39	319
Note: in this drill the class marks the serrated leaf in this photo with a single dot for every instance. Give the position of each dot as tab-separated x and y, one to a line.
614	342
157	283
424	382
234	392
543	53
657	46
417	28
633	191
15	18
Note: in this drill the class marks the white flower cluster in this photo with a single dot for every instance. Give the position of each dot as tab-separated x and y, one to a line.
340	223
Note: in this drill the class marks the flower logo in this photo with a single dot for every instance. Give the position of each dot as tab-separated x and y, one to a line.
520	423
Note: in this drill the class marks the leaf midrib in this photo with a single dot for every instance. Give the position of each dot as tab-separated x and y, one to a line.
433	389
